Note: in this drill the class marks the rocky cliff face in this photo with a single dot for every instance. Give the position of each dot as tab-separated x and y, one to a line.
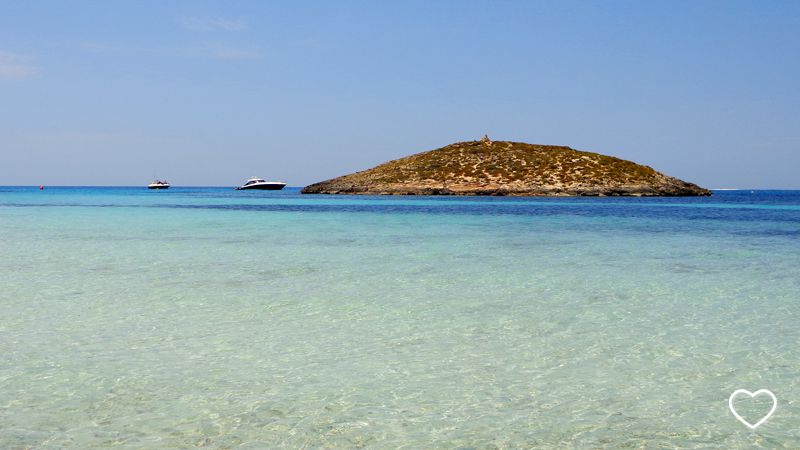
508	168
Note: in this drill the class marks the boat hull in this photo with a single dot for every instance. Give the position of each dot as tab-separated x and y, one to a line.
264	187
158	187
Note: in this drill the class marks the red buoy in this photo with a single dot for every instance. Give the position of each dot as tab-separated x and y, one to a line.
41	187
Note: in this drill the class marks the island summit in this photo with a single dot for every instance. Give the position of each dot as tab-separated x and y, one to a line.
508	168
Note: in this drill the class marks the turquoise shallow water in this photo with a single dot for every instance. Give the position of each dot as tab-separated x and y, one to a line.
210	317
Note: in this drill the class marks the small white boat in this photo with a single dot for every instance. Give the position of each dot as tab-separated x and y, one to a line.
158	185
258	183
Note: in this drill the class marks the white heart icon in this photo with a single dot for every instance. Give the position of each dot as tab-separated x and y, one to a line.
763	419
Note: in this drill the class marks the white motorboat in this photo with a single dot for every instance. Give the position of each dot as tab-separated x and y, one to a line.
258	183
158	185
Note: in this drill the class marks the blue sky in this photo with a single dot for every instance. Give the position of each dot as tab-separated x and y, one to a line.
208	93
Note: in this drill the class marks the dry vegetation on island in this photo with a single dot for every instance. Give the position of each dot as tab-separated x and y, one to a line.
508	168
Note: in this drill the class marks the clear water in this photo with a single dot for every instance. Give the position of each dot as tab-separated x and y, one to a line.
211	317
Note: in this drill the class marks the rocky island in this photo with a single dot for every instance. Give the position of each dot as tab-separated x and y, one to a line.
508	168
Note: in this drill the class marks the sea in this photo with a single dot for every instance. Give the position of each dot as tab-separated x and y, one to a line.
209	317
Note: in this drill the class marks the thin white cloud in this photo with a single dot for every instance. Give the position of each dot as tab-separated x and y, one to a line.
209	24
95	46
779	142
219	51
205	50
14	67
